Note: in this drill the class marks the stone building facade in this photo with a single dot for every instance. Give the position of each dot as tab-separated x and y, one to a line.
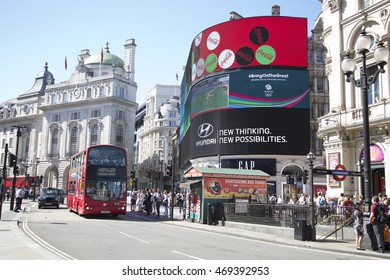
342	128
154	136
96	105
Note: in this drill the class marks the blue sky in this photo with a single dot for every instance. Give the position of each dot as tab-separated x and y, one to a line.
35	32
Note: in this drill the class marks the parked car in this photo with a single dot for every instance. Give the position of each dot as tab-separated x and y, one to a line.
49	197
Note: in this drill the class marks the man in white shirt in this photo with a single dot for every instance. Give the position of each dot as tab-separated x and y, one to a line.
19	197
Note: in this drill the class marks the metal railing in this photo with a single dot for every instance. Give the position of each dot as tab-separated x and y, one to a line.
286	215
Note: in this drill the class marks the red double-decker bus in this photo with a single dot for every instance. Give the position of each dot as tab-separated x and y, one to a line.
97	181
28	182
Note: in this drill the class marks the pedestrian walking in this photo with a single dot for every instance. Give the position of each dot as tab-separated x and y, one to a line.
8	194
180	201
148	202
165	202
158	197
153	201
272	199
378	227
302	199
133	200
19	198
358	226
340	208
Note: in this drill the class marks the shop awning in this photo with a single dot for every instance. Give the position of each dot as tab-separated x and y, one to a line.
225	172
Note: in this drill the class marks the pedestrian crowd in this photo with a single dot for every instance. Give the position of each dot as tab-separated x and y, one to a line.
152	201
326	206
351	209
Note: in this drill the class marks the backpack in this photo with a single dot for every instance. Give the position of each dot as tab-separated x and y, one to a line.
382	217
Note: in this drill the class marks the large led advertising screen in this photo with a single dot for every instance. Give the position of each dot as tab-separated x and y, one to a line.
276	41
249	42
253	111
245	90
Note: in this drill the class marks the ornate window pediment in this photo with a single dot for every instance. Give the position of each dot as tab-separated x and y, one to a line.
54	126
74	123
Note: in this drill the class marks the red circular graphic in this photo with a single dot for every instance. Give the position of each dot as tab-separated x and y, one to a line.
245	56
259	35
339	177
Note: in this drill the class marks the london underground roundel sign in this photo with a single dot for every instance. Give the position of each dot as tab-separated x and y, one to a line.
339	177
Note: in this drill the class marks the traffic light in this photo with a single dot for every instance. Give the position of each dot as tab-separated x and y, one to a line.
290	180
305	176
16	170
12	160
132	174
169	170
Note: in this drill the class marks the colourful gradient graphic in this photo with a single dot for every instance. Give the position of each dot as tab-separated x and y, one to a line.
244	101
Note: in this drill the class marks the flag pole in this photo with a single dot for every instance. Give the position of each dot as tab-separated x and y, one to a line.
177	79
101	60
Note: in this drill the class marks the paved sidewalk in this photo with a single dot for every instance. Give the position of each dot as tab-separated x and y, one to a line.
15	245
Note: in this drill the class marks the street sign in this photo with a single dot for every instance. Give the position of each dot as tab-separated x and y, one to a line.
340	173
322	171
354	173
337	172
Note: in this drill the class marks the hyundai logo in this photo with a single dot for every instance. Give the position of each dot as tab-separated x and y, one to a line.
205	130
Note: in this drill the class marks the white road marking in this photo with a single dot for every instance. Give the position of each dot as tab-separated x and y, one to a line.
267	242
180	253
45	244
146	242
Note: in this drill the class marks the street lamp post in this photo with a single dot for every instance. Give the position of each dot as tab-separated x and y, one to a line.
311	158
348	65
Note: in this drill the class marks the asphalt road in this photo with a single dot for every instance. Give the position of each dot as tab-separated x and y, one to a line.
135	237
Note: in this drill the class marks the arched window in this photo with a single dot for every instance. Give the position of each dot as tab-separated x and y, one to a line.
319	56
54	99
65	96
27	146
101	91
373	89
74	140
119	135
95	134
122	92
54	142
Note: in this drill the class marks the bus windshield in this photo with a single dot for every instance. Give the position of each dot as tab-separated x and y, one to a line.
104	189
103	155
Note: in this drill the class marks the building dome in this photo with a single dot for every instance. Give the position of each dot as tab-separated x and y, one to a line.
108	59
